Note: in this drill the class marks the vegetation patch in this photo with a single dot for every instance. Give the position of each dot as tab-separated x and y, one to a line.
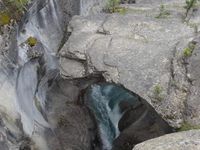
157	92
4	18
187	52
31	41
16	8
113	6
163	13
187	126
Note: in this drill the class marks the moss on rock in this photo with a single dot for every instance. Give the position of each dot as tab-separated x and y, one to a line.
31	41
187	52
16	8
4	18
187	126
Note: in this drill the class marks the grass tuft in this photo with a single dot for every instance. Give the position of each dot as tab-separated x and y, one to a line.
157	92
32	41
4	18
187	126
113	6
187	52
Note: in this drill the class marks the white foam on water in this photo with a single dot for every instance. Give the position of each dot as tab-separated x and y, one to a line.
45	26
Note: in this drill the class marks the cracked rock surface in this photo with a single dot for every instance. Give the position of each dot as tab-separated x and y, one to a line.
141	51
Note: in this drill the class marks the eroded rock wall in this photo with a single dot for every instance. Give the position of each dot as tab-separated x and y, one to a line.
142	49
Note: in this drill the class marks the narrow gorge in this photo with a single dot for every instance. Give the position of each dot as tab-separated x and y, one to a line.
74	77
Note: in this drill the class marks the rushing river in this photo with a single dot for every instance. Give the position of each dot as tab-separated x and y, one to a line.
104	101
120	112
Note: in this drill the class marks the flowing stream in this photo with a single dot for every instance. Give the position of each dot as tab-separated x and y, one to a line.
25	71
44	24
104	100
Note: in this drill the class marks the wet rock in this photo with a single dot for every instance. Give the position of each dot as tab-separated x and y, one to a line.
139	123
26	144
73	125
35	51
3	142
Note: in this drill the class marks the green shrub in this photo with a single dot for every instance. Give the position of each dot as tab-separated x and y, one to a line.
157	89
32	41
113	7
187	52
157	92
4	18
16	8
20	4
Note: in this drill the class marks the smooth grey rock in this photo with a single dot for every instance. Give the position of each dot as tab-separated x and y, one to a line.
74	68
189	140
137	50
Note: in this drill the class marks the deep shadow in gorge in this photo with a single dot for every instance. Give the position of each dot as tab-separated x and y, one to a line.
91	114
74	126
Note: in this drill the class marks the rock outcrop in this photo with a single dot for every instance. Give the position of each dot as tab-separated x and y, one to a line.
188	140
142	49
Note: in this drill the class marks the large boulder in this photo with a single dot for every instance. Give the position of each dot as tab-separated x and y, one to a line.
143	49
188	140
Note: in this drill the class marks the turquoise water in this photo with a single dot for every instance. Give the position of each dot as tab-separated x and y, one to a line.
104	101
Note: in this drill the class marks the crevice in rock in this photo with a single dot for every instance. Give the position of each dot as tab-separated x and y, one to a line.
180	84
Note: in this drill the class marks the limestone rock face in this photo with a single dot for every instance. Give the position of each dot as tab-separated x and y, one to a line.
188	140
142	49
